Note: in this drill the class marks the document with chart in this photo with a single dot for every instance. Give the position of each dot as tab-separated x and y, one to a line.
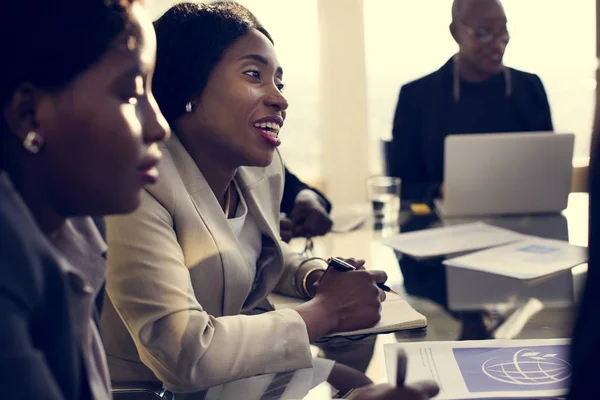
488	369
528	259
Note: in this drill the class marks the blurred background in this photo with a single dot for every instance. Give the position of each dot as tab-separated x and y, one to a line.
345	61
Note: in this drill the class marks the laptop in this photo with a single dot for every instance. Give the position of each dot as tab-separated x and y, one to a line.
506	174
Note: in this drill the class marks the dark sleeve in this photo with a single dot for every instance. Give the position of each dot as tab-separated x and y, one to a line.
24	369
292	187
585	349
404	154
542	98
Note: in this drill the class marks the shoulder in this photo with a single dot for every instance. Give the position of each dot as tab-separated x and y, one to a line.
427	83
420	82
26	260
523	74
525	78
529	87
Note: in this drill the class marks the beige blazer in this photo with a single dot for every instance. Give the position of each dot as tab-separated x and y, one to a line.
178	281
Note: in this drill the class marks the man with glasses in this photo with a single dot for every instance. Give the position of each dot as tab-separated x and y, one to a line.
472	93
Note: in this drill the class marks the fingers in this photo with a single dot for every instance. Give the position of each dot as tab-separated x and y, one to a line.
401	368
358	264
300	213
378	276
314	224
286	223
428	389
382	295
285	230
309	216
318	223
286	236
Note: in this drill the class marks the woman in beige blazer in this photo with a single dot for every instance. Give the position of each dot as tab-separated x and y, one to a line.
204	248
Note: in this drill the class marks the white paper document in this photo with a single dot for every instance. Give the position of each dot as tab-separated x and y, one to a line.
528	259
396	314
487	369
451	240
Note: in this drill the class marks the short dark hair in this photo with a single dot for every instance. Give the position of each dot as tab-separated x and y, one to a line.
191	39
458	9
49	43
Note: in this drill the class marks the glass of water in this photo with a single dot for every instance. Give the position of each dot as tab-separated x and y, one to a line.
384	193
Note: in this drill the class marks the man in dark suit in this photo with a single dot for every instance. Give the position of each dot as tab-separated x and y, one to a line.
472	93
39	356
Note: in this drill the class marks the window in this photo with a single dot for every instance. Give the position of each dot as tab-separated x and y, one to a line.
294	28
554	39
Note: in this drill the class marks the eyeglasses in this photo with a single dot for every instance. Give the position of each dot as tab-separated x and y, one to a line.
486	36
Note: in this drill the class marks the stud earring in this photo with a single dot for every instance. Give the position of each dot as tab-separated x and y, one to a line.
188	107
33	142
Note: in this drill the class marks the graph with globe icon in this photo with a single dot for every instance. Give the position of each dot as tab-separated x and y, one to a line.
501	369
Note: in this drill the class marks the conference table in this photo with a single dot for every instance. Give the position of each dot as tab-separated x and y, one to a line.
427	287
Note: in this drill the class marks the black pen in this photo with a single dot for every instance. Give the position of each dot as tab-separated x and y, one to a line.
343	266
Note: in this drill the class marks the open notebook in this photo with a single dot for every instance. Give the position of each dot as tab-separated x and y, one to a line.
396	314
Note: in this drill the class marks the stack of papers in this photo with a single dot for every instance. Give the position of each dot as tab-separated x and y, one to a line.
492	369
451	240
528	259
396	314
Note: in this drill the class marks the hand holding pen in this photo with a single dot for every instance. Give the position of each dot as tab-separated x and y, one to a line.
416	391
343	266
351	300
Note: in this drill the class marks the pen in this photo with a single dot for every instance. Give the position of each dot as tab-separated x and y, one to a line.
343	266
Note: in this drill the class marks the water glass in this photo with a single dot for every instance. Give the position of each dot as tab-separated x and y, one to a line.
384	194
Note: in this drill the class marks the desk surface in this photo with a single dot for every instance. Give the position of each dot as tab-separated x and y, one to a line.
425	286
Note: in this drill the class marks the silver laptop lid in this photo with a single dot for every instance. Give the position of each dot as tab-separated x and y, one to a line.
507	173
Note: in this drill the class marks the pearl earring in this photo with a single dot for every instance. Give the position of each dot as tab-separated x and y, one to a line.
188	107
33	142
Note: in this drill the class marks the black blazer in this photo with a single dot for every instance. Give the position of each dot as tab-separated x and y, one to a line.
291	187
39	357
420	126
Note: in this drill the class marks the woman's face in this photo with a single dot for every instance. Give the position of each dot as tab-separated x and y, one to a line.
236	120
100	131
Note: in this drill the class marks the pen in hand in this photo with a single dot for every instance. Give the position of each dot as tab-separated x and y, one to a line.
343	266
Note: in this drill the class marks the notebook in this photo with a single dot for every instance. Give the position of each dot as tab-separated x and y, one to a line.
396	315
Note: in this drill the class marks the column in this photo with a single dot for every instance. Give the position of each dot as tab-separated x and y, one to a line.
343	85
